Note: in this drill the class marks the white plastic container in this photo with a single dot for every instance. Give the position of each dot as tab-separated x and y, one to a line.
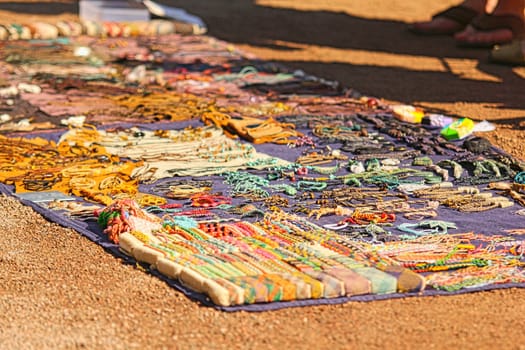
112	11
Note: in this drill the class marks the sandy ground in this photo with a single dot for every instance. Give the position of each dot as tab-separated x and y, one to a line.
60	291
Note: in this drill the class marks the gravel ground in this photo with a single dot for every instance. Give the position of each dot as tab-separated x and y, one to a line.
61	291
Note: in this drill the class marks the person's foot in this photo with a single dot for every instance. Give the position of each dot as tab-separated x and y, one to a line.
438	25
474	37
447	22
504	24
490	30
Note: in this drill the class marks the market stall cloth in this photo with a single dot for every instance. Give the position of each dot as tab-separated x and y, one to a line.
250	186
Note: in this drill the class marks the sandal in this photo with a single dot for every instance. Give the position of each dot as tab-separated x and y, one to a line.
460	14
511	54
488	23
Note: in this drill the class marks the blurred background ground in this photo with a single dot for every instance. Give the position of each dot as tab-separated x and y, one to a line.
60	291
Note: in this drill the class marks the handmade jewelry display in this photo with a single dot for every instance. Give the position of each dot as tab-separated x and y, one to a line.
247	185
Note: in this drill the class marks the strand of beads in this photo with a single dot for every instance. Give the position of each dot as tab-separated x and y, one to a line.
44	30
472	277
